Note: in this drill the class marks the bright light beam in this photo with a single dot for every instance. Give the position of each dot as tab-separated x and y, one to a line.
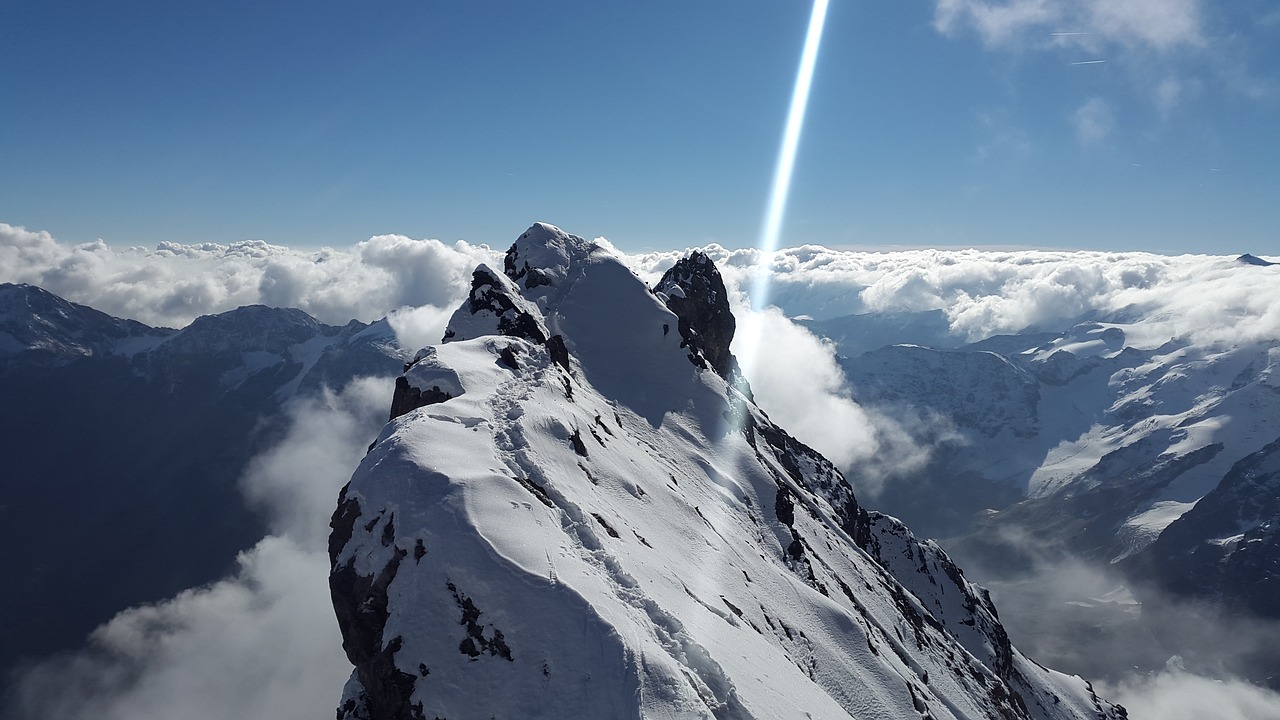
787	154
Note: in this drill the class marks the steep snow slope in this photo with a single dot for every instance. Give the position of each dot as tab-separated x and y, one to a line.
575	515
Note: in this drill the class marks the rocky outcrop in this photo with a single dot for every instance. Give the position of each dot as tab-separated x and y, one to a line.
494	307
695	292
424	382
360	603
1248	259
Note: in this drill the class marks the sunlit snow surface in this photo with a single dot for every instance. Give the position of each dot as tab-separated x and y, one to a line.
653	580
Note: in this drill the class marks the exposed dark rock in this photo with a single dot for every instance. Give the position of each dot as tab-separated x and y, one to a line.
1248	259
507	356
784	507
342	523
518	269
489	293
607	527
578	446
408	398
360	604
389	531
696	294
537	490
475	643
559	353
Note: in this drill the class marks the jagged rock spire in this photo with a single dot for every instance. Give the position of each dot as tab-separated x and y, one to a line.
695	292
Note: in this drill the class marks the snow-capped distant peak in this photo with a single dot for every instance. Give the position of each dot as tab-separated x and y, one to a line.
33	320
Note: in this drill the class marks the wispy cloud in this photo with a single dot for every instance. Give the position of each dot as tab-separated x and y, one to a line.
260	644
997	24
1156	24
1081	618
1094	121
1179	695
796	379
1161	48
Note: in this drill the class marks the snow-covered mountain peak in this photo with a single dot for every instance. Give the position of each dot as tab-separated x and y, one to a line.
495	306
251	328
543	256
34	320
592	525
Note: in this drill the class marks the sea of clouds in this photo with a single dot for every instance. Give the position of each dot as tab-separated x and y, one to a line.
264	643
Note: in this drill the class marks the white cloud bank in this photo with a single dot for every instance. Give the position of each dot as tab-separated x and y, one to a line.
1209	298
420	282
1179	695
172	284
264	642
795	378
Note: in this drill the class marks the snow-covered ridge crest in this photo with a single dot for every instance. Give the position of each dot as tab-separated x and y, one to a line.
599	525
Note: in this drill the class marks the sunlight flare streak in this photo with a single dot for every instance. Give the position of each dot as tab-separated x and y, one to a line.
787	153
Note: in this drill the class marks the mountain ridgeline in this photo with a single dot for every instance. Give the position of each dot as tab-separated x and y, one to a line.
125	446
577	510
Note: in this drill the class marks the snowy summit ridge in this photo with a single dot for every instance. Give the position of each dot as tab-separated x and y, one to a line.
572	513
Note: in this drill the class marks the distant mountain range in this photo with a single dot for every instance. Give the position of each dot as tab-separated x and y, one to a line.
124	443
1157	465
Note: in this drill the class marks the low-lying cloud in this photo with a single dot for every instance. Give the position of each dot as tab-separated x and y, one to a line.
419	282
795	378
260	644
1178	695
264	643
1162	657
172	284
1207	298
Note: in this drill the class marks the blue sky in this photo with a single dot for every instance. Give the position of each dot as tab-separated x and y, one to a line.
657	125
